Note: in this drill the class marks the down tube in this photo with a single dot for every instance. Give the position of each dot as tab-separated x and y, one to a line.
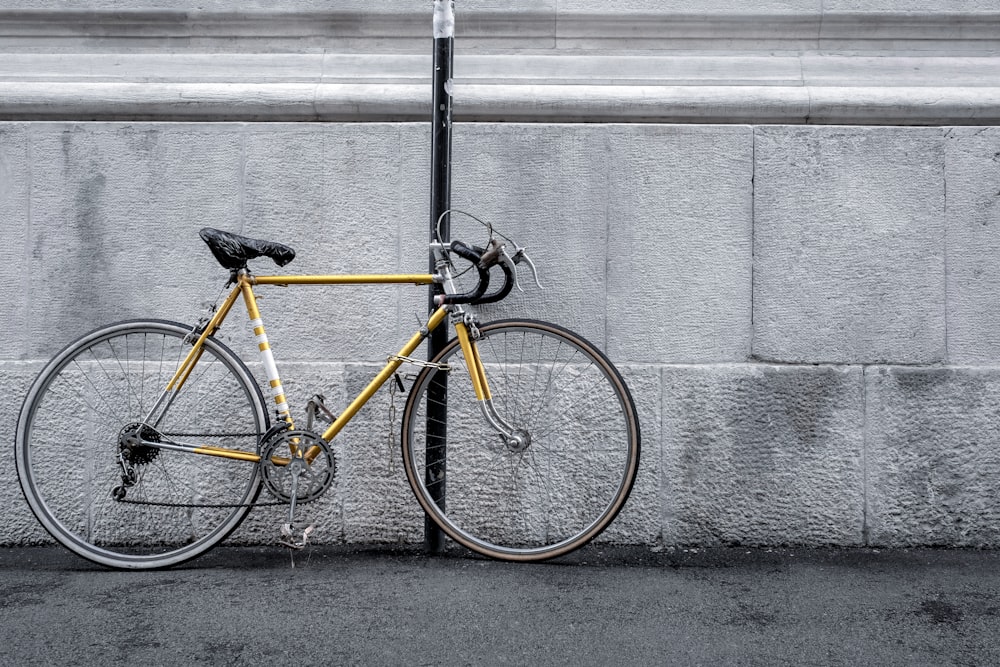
394	363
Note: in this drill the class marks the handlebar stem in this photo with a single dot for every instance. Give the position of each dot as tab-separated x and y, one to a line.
482	260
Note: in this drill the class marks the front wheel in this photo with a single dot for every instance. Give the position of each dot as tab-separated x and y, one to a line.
129	505
563	476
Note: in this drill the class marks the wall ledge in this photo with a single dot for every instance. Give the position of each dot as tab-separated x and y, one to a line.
548	62
705	88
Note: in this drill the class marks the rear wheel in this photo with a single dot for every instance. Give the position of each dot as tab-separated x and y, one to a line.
107	497
568	465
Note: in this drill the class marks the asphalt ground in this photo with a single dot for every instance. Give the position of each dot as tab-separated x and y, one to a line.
599	606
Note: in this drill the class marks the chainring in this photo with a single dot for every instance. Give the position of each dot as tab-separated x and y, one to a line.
297	463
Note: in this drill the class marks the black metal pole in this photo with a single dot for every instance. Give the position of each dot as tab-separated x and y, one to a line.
437	394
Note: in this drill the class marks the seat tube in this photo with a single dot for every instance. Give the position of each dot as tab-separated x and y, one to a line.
270	368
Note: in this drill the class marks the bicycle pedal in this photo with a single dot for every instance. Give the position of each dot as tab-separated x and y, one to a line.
287	538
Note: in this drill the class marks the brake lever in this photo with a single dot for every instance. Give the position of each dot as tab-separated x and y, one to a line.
520	255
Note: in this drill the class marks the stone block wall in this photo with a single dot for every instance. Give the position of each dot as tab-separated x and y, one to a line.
805	309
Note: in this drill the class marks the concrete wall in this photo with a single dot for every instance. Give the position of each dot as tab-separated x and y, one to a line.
808	330
806	313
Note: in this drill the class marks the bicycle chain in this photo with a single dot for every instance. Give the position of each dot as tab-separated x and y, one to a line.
209	506
153	503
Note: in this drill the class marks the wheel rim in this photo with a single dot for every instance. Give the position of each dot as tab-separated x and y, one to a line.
538	500
69	453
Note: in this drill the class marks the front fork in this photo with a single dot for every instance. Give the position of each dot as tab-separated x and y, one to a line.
515	439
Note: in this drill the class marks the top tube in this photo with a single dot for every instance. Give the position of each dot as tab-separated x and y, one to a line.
347	279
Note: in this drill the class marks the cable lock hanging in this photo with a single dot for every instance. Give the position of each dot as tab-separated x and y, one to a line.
396	386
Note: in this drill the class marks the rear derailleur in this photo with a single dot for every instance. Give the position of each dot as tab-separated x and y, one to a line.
132	453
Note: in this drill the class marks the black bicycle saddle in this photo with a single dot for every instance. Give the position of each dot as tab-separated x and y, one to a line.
233	251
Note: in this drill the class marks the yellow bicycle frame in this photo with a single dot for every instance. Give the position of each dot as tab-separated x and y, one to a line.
244	287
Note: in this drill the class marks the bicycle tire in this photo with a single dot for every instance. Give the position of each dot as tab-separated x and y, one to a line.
67	446
563	488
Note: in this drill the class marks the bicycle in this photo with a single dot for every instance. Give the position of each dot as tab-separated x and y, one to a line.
145	443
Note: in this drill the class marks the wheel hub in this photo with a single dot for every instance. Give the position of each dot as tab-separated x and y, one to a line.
519	441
